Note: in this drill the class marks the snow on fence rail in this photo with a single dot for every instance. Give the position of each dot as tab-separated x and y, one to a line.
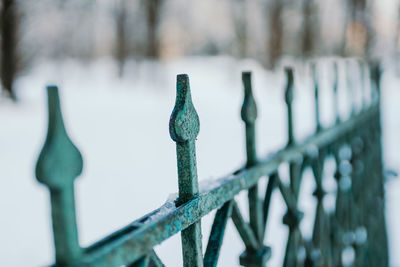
356	224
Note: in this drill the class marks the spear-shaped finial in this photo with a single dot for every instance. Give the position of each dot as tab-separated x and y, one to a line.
59	164
249	116
184	123
184	127
376	75
288	101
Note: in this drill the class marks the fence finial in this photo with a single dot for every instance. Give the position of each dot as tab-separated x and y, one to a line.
249	107
59	164
184	123
249	116
376	75
184	127
288	101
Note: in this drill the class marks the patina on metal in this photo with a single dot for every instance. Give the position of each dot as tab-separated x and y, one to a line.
184	126
357	223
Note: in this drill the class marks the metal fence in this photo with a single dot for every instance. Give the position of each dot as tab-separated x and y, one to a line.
356	224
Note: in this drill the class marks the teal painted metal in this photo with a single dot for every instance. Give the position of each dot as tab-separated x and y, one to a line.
335	92
184	126
217	234
353	143
318	126
259	255
288	101
58	165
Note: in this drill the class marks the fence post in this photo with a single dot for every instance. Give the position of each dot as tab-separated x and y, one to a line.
184	127
59	163
288	101
249	116
335	91
362	84
350	87
293	216
316	97
377	231
376	75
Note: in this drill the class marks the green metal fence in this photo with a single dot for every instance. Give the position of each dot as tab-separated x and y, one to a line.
356	224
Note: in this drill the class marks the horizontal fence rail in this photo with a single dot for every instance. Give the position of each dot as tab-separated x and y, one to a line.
355	227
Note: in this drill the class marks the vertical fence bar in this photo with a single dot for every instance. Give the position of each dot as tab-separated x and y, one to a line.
362	84
289	96
335	92
350	86
292	217
320	238
375	74
288	101
377	230
184	127
316	98
58	165
249	116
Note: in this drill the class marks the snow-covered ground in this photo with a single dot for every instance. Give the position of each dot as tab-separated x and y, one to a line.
121	128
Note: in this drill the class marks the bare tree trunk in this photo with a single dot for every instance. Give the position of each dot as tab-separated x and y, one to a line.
153	13
9	61
309	28
359	29
369	30
121	47
238	9
397	44
275	33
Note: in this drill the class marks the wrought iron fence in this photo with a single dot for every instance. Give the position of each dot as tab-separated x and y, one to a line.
357	222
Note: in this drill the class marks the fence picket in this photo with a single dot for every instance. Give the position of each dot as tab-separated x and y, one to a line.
184	128
58	165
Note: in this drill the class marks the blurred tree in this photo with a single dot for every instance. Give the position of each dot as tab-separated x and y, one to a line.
238	9
153	14
397	42
359	28
9	52
121	52
310	29
275	32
